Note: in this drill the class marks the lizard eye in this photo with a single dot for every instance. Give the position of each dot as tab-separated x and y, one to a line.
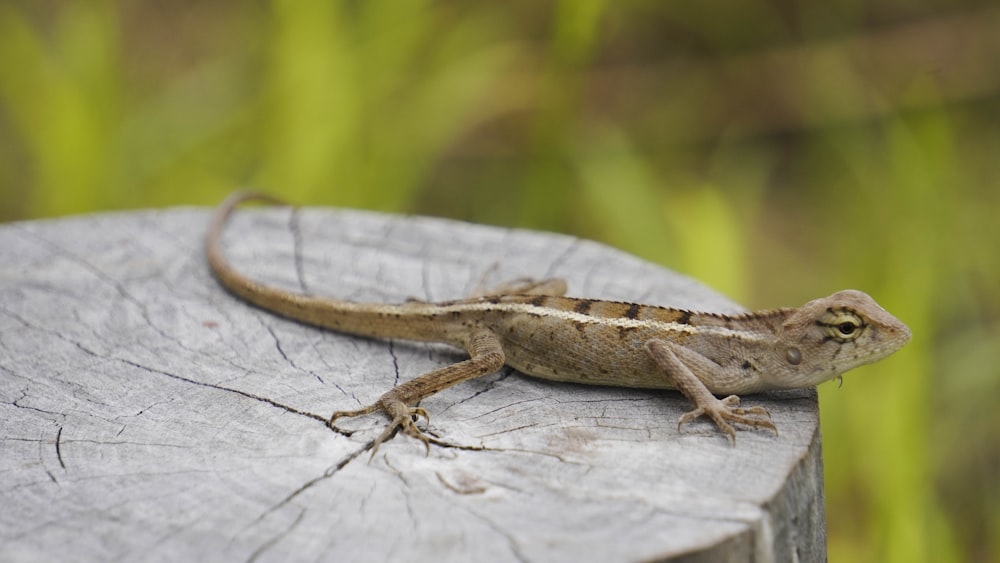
842	326
847	329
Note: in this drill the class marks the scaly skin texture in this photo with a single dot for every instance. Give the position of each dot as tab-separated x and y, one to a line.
534	329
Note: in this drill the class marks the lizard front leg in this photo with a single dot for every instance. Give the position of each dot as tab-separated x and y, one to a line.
721	411
486	356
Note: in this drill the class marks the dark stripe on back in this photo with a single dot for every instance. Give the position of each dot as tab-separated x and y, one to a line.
538	300
583	306
632	312
684	318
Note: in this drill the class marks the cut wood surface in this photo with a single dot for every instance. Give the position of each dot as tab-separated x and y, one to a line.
148	415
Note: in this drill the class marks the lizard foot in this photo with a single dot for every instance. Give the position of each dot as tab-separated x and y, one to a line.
723	411
403	417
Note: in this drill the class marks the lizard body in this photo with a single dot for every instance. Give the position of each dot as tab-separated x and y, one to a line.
536	330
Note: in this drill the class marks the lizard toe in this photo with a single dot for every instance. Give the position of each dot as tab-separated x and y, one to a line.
719	418
331	423
689	416
749	417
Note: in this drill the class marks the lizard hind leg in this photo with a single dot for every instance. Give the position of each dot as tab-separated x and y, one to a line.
486	357
553	287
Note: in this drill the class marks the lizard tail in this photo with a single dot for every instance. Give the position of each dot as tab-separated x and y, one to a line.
220	266
364	319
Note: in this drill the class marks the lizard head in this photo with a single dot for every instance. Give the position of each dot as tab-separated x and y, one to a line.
829	336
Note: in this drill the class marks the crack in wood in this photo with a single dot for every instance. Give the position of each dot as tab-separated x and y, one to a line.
246	394
288	359
327	474
264	547
59	448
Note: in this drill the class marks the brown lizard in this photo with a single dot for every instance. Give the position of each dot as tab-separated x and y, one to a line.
533	328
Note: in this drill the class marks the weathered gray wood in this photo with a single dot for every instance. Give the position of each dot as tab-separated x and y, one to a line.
148	415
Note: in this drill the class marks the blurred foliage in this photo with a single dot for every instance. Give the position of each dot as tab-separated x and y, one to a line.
776	150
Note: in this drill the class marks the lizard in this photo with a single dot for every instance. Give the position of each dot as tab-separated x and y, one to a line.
534	328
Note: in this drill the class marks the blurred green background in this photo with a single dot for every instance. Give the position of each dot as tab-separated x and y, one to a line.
777	150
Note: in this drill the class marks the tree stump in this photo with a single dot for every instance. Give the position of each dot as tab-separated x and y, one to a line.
149	415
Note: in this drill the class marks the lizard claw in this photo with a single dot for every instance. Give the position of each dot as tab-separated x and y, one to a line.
723	411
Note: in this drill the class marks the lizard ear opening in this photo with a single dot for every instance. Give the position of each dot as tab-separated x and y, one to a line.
793	356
